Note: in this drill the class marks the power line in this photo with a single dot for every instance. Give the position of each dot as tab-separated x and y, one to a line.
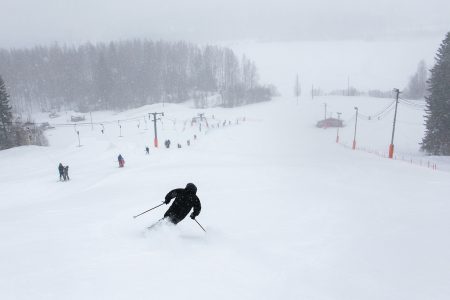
378	117
413	105
411	101
77	123
381	114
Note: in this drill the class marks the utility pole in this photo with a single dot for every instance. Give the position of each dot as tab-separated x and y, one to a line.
356	123
200	116
312	92
325	116
391	146
92	125
79	143
155	114
297	88
339	125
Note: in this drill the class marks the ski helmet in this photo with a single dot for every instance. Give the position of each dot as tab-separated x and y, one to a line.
191	188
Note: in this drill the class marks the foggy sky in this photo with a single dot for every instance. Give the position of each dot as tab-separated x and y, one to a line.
30	22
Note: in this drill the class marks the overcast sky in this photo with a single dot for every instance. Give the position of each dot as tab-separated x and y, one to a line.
30	22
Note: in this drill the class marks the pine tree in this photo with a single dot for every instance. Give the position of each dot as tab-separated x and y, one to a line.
5	115
437	118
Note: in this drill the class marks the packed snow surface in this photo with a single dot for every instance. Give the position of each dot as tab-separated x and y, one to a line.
289	213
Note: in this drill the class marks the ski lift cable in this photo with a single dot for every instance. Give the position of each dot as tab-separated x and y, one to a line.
413	107
380	115
387	108
417	107
382	112
412	103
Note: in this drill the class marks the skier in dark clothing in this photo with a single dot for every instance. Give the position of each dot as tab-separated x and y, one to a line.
66	173
61	171
167	144
185	200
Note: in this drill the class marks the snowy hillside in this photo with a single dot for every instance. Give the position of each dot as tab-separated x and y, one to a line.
289	213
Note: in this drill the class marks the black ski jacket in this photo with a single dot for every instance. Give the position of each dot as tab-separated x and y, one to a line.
61	169
184	201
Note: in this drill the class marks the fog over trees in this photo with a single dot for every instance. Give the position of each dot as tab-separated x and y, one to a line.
417	85
127	74
13	131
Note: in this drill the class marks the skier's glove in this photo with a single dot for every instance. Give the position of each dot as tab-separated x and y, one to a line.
193	216
167	201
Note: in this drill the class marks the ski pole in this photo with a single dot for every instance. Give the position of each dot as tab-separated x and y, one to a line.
147	210
200	225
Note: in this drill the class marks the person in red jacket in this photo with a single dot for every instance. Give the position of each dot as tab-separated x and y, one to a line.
121	161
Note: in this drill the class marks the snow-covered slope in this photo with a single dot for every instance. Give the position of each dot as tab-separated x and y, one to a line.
289	213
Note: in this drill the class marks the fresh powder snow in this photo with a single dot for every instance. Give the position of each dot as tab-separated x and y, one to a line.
289	213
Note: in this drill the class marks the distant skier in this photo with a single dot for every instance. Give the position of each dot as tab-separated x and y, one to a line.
179	145
66	173
147	150
121	161
167	144
188	142
61	171
185	200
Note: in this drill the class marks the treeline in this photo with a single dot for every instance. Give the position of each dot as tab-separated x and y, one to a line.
127	74
417	85
437	118
13	131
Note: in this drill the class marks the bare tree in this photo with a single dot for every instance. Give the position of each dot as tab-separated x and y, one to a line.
297	88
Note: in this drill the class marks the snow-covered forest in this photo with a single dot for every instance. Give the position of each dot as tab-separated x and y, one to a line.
127	74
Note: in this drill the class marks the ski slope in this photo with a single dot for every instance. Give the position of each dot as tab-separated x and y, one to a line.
289	213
